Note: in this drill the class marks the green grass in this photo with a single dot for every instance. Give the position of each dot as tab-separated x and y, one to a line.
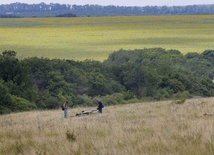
96	37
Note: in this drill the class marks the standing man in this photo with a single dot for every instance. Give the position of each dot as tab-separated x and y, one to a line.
100	106
65	108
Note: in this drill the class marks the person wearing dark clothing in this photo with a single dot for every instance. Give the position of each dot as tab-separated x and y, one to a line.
100	106
65	107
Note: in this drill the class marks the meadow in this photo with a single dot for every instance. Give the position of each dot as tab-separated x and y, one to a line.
96	37
166	127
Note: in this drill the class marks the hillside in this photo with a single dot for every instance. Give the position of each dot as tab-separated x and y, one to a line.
142	128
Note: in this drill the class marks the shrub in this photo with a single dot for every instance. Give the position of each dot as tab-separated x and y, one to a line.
71	136
4	110
181	95
21	104
52	103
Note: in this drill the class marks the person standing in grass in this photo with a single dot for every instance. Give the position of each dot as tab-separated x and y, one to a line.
100	106
65	108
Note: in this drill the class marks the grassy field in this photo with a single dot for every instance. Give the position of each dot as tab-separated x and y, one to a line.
96	37
141	128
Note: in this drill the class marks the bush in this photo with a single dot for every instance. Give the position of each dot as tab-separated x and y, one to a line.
181	95
116	98
85	100
128	95
52	103
162	95
21	104
4	110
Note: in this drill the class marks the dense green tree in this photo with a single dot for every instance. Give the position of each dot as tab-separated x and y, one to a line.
17	76
134	79
9	66
153	73
5	99
97	84
208	55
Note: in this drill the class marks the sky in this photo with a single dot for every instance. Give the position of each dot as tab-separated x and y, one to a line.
116	2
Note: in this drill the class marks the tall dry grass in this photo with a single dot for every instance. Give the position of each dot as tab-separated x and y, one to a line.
141	128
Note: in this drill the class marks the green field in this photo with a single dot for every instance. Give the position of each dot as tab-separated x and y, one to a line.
96	37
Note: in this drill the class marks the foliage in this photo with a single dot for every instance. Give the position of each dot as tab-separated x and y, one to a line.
154	74
21	104
9	16
52	9
66	15
11	103
5	99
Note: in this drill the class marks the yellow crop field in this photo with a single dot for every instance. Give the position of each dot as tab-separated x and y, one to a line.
155	128
96	37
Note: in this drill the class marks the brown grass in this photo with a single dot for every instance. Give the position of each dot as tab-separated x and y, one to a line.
141	128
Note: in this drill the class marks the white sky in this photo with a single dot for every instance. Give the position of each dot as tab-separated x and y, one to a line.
115	2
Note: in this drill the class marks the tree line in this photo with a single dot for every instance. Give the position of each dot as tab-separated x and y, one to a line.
126	76
55	9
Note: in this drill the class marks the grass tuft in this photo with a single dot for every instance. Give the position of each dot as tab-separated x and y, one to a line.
71	136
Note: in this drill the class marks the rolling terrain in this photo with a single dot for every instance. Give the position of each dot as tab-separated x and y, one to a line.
95	38
167	127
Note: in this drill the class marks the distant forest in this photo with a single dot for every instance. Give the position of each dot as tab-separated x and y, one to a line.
59	10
